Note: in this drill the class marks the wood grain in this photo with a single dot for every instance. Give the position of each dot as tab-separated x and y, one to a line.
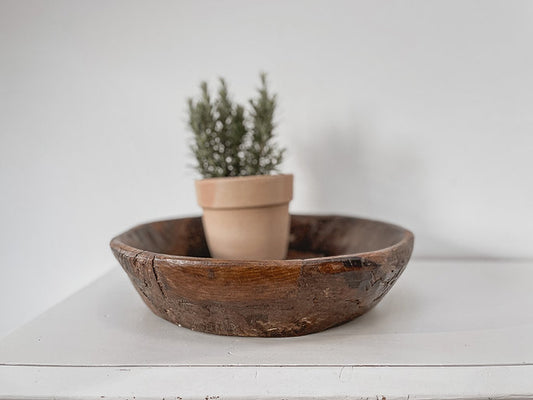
337	269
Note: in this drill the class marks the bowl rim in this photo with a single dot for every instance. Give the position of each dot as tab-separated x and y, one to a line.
118	244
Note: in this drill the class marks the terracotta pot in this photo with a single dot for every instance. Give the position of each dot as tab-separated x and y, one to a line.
246	217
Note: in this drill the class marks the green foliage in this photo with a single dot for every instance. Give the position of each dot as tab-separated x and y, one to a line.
228	141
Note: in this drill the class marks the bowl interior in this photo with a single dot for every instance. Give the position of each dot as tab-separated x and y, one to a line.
311	236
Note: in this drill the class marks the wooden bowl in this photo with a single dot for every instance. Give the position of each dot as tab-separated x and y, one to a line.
337	269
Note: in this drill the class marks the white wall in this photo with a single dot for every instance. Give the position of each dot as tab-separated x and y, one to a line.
416	112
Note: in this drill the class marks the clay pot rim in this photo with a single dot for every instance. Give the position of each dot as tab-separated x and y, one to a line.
118	244
239	192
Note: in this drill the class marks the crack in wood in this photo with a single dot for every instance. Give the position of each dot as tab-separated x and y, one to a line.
156	276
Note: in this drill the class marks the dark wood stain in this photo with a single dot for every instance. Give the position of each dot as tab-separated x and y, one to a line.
337	269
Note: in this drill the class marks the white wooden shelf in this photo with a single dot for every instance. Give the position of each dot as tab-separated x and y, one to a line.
447	330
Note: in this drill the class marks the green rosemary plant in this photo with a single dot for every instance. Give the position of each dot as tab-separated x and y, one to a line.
228	140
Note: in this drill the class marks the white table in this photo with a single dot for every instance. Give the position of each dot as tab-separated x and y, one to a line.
448	329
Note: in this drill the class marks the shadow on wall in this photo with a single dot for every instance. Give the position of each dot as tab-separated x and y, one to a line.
356	172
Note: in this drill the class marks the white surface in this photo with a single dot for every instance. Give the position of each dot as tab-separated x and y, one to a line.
272	383
421	110
424	340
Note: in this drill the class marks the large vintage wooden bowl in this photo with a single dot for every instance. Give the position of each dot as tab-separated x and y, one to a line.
338	268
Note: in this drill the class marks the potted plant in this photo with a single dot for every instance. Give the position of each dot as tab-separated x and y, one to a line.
245	205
